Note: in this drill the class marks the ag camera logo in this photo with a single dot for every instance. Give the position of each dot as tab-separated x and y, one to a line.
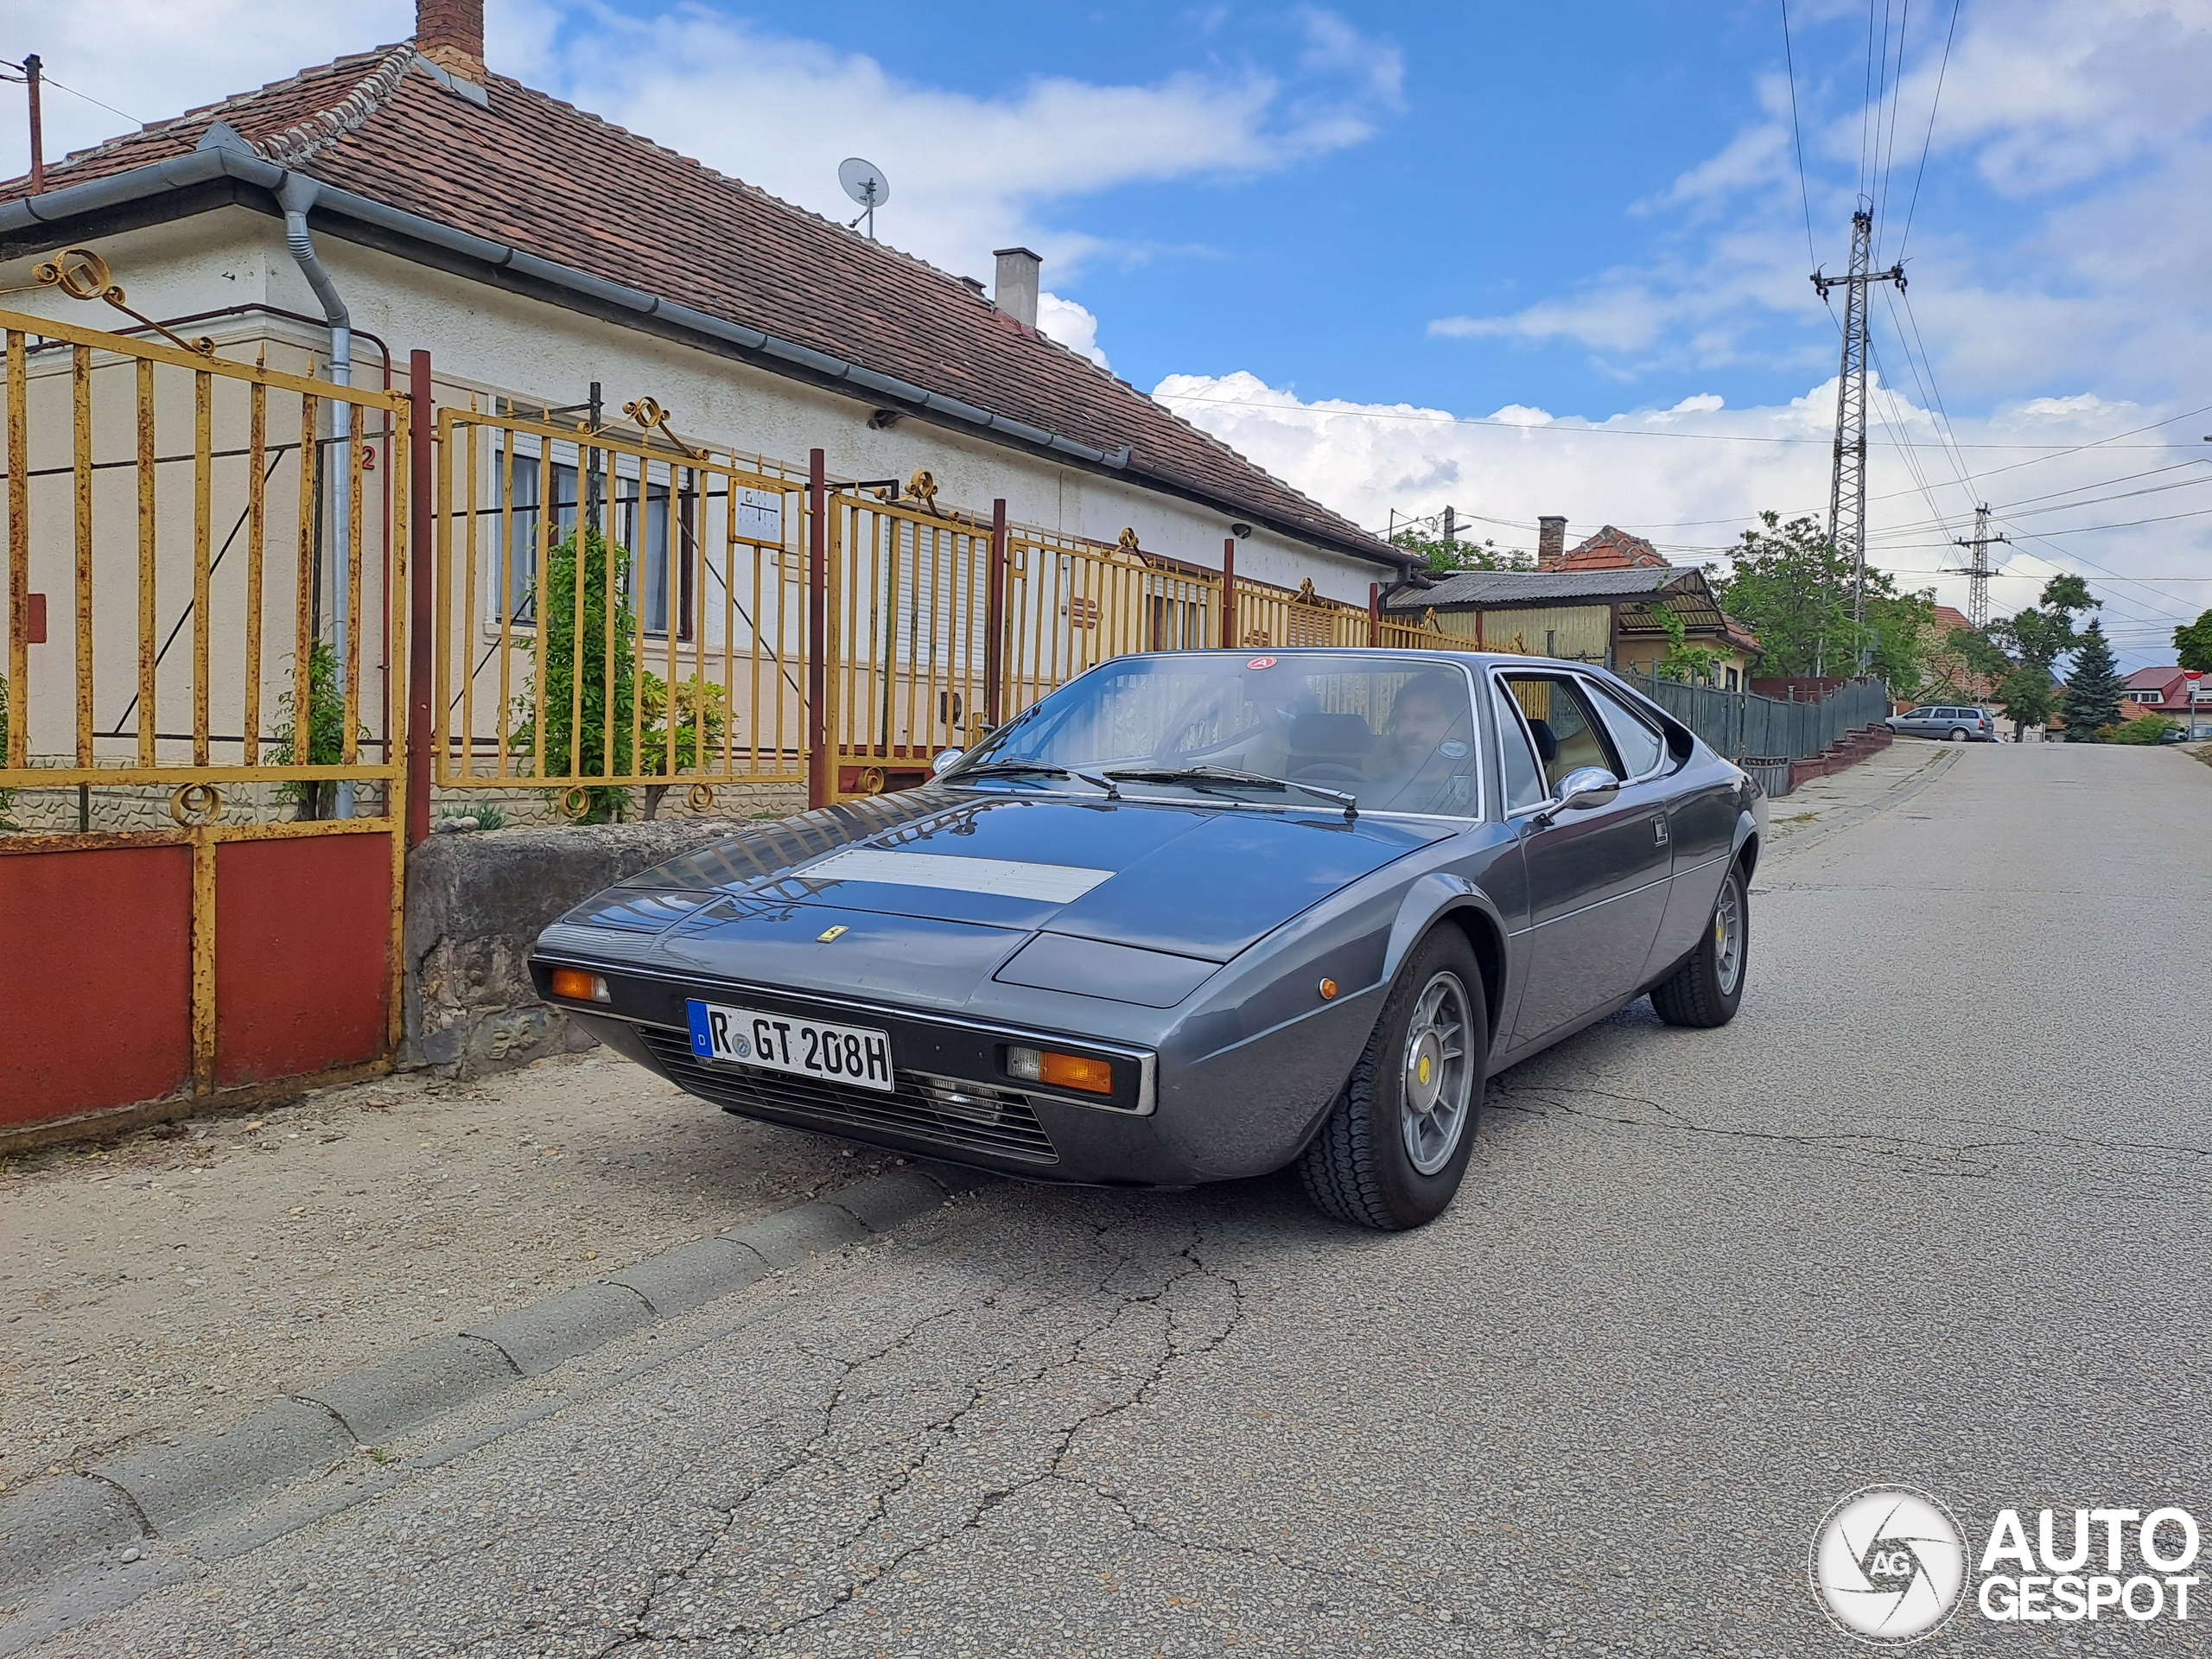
1888	1564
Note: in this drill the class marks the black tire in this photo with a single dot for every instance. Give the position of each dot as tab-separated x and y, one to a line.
1359	1168
1707	989
1958	734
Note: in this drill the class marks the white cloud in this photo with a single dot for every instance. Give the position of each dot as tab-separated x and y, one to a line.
1692	488
1071	324
969	173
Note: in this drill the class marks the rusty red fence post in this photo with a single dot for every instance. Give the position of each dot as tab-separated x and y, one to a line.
422	643
1228	594
1374	613
818	777
995	620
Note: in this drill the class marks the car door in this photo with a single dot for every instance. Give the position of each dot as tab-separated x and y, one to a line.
1597	878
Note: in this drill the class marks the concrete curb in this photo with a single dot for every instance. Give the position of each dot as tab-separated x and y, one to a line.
157	1489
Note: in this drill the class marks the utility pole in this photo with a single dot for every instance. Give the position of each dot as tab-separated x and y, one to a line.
1451	526
1979	543
1847	483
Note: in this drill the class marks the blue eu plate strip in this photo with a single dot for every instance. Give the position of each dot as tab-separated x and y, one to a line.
702	1044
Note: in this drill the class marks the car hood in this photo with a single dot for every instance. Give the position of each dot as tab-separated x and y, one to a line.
965	872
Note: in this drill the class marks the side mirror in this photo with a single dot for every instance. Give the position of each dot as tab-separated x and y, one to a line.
1581	790
946	760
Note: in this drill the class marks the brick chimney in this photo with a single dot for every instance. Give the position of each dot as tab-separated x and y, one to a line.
1016	290
450	33
1551	542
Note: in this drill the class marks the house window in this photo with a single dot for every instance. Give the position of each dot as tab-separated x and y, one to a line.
519	547
1733	682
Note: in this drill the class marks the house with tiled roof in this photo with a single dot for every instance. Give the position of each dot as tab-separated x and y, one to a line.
1605	613
2167	692
541	255
1598	602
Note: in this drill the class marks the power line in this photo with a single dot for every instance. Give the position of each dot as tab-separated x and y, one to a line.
1804	190
1926	143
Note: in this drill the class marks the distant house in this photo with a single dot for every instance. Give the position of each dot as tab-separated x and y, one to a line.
1949	679
1598	602
2165	692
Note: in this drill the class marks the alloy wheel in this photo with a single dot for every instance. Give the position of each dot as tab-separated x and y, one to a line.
1438	1081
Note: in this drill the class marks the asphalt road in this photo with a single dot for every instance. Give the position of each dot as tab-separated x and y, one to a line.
1932	1210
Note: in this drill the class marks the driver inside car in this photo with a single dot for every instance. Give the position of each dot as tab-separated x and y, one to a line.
1422	764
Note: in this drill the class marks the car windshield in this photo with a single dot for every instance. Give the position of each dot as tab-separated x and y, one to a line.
1395	734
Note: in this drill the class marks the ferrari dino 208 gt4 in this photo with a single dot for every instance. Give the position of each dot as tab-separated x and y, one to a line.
1196	916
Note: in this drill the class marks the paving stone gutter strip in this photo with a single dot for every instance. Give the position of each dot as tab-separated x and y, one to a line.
154	1490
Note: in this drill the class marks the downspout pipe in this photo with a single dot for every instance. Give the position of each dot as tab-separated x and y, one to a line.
296	195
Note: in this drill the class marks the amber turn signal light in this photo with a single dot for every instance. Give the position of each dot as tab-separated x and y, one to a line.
1061	1070
579	986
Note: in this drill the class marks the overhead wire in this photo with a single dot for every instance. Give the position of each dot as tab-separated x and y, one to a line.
1796	135
1941	69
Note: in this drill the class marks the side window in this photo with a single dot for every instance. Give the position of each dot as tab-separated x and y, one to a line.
1641	748
1524	783
1564	725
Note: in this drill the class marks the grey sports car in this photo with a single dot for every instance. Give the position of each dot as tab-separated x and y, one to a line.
1196	916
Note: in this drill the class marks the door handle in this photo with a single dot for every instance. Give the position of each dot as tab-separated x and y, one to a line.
1659	830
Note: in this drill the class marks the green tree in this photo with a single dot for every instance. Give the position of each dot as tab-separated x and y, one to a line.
1793	586
2040	635
2092	699
588	694
2026	696
1444	557
2194	641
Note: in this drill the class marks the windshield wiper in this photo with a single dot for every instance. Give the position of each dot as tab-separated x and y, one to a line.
1200	777
1035	769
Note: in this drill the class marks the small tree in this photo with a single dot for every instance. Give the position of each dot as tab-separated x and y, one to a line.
1683	661
2194	641
2025	694
587	686
2092	700
1794	588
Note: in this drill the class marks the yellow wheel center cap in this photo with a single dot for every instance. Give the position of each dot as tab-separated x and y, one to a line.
1423	1070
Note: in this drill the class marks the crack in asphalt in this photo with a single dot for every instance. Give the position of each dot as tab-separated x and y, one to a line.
1186	1330
1548	1099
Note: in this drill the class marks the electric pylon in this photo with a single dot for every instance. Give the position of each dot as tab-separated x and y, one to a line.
1978	544
1847	483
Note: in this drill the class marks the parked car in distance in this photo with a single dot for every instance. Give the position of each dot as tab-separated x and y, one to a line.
1951	722
2173	735
1196	916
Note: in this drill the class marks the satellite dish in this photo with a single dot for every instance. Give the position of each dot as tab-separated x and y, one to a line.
865	183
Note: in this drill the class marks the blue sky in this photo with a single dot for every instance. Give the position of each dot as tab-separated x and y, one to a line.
1413	254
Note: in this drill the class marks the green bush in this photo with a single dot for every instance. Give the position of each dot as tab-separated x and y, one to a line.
2148	728
578	742
325	725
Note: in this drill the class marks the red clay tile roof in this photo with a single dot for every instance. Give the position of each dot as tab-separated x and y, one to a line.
545	177
1611	548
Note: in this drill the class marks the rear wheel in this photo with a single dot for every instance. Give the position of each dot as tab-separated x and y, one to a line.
1391	1152
1958	734
1707	989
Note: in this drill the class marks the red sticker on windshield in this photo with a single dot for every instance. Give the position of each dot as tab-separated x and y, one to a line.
1261	662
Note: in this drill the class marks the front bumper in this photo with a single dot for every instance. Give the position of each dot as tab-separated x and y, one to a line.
950	1104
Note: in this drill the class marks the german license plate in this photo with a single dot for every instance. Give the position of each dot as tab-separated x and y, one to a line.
779	1042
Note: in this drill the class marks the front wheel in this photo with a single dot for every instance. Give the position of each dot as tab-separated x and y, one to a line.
1707	989
1391	1152
1958	734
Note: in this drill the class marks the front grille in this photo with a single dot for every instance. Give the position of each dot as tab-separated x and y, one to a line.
920	1108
